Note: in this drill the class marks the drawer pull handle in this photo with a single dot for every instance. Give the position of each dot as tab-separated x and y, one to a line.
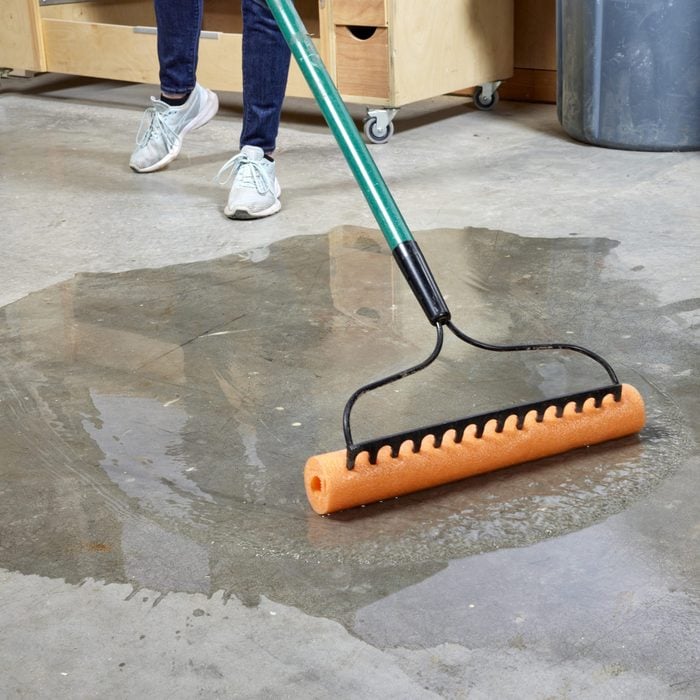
153	30
362	33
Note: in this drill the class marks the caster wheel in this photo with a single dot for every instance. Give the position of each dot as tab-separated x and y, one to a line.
480	102
376	135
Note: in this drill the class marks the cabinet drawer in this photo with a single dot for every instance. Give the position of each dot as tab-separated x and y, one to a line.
100	50
120	52
361	13
362	64
116	39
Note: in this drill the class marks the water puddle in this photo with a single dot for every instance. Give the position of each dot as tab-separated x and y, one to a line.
154	424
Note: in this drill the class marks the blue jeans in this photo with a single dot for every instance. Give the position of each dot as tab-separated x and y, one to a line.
265	63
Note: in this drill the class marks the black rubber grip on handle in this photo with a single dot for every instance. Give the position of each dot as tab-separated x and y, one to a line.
409	258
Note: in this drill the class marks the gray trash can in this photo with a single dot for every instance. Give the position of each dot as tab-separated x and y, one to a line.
628	72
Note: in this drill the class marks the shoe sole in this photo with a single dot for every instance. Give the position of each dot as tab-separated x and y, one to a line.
245	214
212	107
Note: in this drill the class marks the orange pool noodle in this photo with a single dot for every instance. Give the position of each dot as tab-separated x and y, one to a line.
331	486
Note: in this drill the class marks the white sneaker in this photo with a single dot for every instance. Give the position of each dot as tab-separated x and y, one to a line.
255	191
163	127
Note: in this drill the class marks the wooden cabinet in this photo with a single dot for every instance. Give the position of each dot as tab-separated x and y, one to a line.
116	39
394	52
382	52
21	41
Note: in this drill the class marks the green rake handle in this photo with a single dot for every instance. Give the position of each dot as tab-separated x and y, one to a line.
403	246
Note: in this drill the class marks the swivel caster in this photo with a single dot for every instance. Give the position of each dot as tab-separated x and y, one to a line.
378	125
485	96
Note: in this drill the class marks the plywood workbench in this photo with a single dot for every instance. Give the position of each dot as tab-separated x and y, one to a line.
381	52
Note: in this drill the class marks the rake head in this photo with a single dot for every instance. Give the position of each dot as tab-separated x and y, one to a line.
405	462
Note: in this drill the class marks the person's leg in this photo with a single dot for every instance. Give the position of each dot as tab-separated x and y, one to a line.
179	24
255	191
266	59
184	105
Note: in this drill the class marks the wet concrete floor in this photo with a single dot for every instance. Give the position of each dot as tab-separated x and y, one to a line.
154	537
155	423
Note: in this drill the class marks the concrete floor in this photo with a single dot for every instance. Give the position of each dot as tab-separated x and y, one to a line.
164	371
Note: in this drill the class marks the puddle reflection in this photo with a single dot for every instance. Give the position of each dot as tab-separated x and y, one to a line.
155	423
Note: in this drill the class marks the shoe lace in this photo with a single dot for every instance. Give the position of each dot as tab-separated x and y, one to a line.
153	123
245	173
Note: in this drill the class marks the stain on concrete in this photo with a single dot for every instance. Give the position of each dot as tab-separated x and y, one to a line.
154	423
